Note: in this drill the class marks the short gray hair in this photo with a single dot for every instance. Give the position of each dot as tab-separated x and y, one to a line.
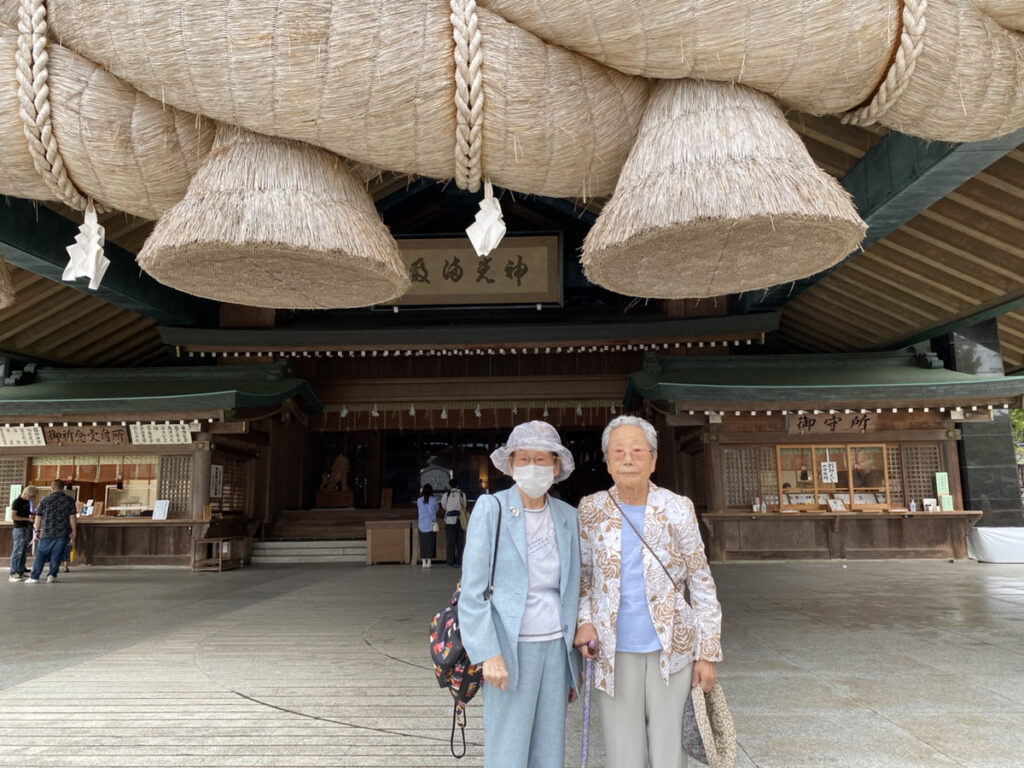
630	421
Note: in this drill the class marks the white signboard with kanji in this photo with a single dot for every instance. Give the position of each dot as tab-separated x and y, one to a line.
160	434
829	474
16	437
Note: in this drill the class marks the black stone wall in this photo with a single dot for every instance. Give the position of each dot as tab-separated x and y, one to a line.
988	464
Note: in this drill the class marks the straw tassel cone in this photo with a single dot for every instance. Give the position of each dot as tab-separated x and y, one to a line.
718	195
270	222
6	284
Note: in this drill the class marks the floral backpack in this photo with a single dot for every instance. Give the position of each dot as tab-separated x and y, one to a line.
451	662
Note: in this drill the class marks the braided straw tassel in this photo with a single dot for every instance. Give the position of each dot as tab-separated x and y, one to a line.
719	195
6	285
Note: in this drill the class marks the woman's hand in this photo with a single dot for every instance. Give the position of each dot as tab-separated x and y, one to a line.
704	674
586	641
495	672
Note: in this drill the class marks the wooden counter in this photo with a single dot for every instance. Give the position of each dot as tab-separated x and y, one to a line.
397	541
134	541
390	541
837	535
125	541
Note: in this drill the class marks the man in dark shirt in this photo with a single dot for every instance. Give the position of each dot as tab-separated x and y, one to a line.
22	531
54	527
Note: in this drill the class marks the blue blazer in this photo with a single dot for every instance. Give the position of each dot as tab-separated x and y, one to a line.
492	627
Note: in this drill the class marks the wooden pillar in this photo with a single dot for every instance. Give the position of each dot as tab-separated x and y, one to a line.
716	549
374	470
668	461
201	461
951	464
714	474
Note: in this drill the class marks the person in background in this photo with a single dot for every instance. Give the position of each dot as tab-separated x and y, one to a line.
54	528
65	558
426	506
21	533
651	646
522	634
453	501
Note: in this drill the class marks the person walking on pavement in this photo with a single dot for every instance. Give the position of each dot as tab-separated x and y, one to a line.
453	501
21	533
54	527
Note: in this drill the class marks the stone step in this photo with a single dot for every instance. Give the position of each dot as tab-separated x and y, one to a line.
306	559
331	551
359	544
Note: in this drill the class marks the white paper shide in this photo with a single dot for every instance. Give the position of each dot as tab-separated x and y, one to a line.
86	253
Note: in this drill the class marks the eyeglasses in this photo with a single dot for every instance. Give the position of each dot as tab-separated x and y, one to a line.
636	454
543	460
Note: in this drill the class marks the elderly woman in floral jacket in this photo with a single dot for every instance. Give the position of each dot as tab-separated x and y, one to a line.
650	645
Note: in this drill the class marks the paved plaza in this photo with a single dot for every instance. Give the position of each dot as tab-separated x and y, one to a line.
864	664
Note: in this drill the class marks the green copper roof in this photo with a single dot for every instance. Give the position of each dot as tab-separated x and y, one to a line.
904	377
141	390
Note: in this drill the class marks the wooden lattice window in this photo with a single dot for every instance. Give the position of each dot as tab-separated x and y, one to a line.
750	473
768	474
920	463
894	469
174	483
234	491
12	472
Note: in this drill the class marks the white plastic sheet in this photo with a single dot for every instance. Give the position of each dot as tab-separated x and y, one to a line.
996	545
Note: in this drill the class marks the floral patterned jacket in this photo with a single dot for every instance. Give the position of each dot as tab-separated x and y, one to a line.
670	528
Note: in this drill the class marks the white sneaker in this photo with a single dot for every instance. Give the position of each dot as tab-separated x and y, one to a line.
30	580
15	578
50	579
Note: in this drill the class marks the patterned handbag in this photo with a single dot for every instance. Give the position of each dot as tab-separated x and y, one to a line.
451	662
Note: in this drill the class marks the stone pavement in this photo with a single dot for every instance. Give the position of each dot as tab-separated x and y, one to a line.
874	664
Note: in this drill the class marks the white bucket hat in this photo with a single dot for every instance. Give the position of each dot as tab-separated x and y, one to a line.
534	436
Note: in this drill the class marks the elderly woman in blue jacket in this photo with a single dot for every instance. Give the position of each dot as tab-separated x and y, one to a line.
523	633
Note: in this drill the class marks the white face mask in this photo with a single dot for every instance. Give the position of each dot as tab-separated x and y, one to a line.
533	479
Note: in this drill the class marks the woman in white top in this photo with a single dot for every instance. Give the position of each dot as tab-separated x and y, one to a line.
523	633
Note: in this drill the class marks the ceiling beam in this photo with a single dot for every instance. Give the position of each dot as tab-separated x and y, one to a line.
35	238
898	178
1009	303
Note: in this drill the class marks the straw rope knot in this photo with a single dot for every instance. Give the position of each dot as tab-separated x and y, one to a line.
469	95
902	69
33	74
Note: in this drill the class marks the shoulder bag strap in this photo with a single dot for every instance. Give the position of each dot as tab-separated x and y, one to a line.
494	555
644	542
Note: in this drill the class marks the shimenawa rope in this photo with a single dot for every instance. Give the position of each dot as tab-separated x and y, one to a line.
33	73
469	94
902	68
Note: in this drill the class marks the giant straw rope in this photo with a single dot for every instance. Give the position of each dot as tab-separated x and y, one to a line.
34	98
469	94
397	84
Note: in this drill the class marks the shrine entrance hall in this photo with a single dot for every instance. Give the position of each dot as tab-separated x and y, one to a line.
868	663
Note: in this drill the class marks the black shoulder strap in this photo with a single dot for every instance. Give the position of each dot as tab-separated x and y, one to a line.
643	541
494	554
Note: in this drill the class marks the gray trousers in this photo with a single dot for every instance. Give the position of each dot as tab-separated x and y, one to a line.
643	721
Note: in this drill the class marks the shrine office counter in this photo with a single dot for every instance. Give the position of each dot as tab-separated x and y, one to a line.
837	535
138	540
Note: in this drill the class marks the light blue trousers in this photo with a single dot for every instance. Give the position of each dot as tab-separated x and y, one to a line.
525	728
